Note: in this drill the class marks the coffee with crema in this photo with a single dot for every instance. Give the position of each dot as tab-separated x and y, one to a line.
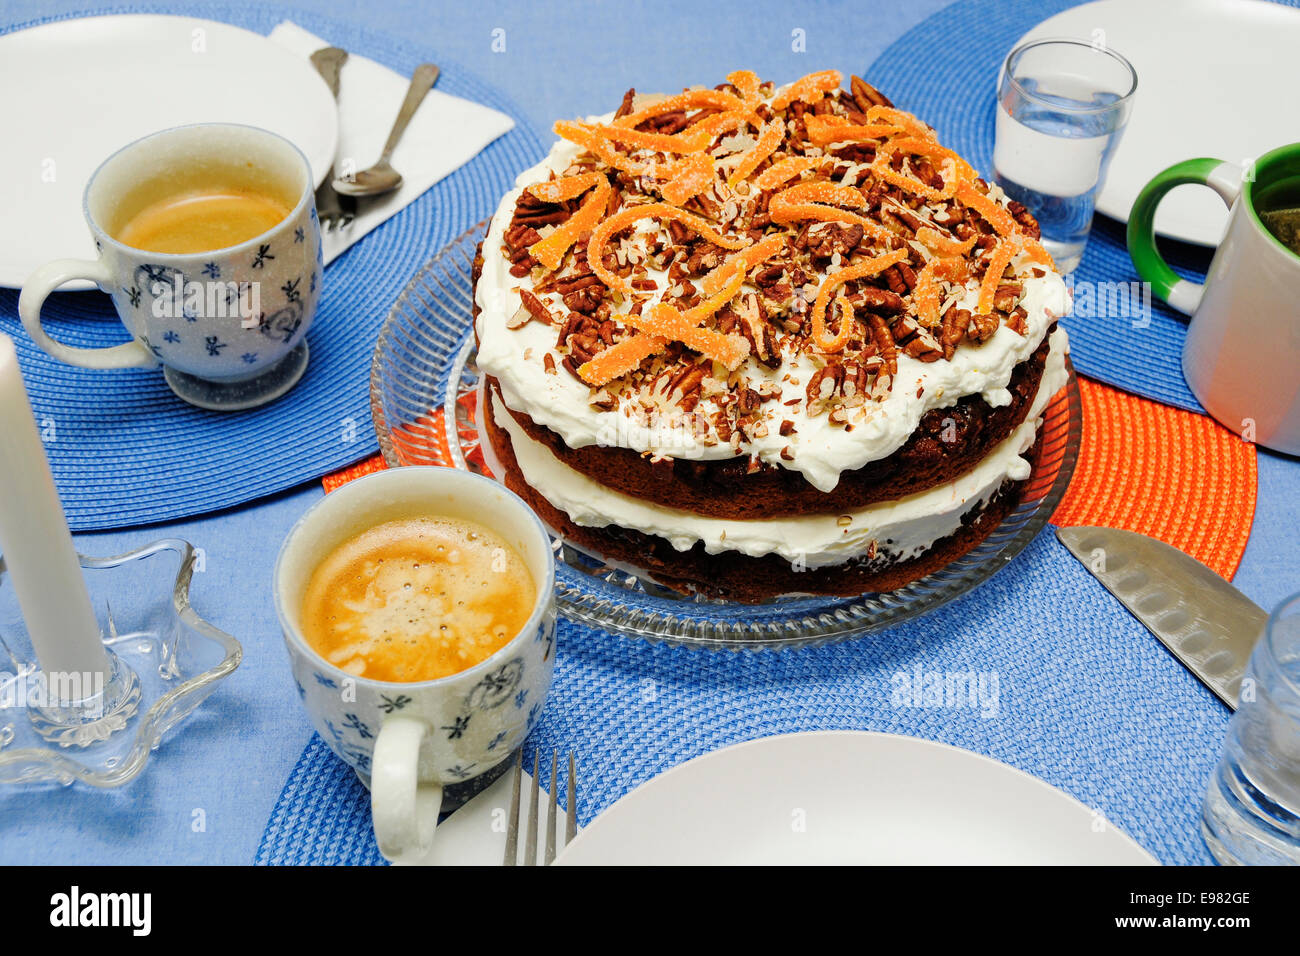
202	220
417	599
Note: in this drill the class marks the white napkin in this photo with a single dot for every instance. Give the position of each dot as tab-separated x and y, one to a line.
445	133
475	835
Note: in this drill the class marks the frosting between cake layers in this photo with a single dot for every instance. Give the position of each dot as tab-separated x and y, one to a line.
905	527
818	448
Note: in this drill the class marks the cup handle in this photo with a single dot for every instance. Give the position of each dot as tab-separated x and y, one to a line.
1182	294
48	278
404	810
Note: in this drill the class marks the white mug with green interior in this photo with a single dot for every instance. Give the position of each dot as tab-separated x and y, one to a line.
1242	354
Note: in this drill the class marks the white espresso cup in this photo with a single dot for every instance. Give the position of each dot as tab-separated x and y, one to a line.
228	325
1242	354
407	741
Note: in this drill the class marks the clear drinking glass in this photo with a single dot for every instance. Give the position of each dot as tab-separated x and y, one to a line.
1062	106
1251	813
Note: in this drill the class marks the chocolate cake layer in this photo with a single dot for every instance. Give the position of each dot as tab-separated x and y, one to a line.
739	577
948	442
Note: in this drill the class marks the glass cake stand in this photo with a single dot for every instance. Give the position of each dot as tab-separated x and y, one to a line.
425	392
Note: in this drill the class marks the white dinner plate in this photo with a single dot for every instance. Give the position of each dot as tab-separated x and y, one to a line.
1215	78
75	91
841	797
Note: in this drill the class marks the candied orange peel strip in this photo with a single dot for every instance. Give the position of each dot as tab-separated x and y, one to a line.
599	139
910	183
666	322
804	201
732	274
1003	222
747	82
825	192
926	294
690	177
998	262
718	123
565	188
955	168
796	212
898	118
550	250
925	146
619	359
622	358
936	241
995	213
693	139
588	139
746	259
824	130
841	338
691	99
786	169
630	214
1036	253
809	89
859	270
771	137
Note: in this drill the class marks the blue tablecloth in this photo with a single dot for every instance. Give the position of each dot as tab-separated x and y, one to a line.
1089	701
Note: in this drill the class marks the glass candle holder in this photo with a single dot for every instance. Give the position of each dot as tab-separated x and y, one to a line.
166	660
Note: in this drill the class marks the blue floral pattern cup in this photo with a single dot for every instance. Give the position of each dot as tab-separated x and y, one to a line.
407	741
228	326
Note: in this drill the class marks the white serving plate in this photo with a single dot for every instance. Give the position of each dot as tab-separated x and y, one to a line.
1215	78
845	797
75	91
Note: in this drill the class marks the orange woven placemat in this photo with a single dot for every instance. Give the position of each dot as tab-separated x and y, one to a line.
1171	474
1143	466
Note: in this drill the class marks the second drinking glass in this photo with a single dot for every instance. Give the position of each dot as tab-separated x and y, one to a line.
1062	107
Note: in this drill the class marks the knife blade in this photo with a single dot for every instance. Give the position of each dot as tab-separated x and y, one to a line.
1206	623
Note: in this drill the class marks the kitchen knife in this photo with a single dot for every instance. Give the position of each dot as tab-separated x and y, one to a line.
1204	621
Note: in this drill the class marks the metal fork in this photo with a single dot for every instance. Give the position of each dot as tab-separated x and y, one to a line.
333	211
570	813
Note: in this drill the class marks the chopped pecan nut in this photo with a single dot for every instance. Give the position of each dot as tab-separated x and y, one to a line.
924	347
584	347
626	106
953	330
876	299
884	344
1025	219
1018	321
866	95
536	307
1007	295
982	327
904	328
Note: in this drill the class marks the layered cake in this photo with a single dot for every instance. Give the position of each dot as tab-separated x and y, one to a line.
760	341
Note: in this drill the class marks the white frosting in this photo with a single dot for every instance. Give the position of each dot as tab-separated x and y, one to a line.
819	449
905	527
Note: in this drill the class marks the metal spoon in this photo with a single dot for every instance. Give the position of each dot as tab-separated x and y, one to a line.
382	177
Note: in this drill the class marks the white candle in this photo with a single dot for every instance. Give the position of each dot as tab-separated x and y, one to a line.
41	563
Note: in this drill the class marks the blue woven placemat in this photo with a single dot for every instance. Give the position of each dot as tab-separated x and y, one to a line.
126	452
945	70
1087	700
